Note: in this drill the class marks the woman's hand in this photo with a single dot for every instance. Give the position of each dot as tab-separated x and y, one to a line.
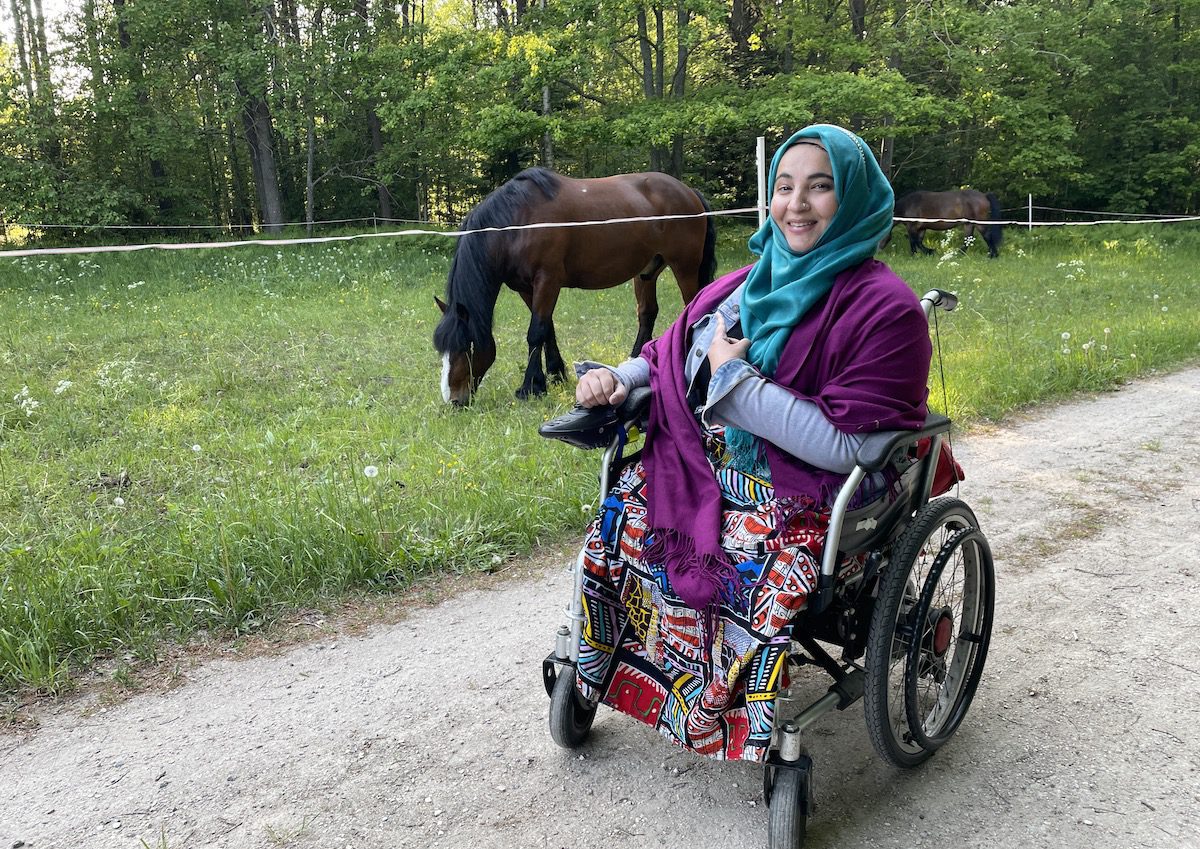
598	387
723	349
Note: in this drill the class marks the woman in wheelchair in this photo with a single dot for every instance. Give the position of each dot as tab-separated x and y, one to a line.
708	545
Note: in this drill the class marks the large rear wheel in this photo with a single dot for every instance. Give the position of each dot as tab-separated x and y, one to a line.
929	634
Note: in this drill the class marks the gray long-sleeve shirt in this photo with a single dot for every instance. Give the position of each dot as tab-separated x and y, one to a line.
740	396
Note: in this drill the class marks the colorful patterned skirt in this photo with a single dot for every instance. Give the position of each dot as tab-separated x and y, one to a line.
708	683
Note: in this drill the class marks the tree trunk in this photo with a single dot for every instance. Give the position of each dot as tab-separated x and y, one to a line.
40	53
652	74
20	14
858	19
256	121
374	125
375	128
133	59
240	211
547	138
310	184
679	81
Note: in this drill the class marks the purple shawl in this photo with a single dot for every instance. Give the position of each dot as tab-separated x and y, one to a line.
861	354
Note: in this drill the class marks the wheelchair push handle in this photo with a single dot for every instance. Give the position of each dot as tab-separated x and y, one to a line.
938	299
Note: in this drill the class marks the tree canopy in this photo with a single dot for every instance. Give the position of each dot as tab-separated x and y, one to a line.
260	112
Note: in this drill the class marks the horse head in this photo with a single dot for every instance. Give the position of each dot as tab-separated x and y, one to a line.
466	353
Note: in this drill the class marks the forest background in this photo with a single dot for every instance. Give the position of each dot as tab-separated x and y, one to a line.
256	113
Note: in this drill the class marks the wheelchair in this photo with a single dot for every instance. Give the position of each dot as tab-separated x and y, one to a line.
906	591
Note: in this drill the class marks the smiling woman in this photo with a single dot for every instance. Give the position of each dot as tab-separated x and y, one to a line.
804	200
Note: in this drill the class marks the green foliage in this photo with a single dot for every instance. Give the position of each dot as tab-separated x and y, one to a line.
431	113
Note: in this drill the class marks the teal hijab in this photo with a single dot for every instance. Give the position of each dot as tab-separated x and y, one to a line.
783	285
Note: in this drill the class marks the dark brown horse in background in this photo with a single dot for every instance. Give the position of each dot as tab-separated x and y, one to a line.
945	211
536	263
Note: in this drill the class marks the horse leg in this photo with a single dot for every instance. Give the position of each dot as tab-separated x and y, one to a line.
540	300
555	367
916	239
646	292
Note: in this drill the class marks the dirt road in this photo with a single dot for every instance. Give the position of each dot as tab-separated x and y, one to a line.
431	732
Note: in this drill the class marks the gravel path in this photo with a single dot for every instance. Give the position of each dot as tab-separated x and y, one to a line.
1085	733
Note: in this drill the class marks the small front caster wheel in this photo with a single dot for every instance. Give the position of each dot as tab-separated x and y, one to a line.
789	806
571	714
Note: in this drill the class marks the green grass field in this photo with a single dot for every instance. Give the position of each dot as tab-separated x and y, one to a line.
209	439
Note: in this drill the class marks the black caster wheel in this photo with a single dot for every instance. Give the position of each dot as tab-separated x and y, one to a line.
571	714
789	805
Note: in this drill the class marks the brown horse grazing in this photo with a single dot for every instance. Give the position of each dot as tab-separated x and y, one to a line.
536	263
950	209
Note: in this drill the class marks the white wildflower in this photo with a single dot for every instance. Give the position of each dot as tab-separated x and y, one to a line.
371	472
63	386
26	403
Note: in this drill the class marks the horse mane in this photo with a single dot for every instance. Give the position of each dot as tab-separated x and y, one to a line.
478	268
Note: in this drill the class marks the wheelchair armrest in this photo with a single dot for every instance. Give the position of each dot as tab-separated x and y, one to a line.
878	449
595	427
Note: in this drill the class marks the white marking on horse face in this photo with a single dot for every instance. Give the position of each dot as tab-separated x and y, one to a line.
446	377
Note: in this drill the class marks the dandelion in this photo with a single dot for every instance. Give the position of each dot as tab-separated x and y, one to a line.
196	449
1066	336
1066	350
371	472
118	502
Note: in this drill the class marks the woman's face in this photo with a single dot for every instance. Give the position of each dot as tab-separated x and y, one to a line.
803	200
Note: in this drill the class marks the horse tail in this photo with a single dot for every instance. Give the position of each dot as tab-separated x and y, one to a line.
708	261
994	231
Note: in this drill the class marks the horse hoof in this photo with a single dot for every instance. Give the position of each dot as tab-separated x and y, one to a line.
527	392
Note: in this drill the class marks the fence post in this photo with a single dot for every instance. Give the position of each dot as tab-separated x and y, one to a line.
761	158
1031	212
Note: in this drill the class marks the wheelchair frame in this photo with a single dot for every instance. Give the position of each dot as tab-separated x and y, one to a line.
893	610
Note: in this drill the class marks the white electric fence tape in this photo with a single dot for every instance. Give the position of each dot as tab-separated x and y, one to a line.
313	240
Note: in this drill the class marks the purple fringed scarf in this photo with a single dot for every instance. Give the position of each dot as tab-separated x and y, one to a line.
861	354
